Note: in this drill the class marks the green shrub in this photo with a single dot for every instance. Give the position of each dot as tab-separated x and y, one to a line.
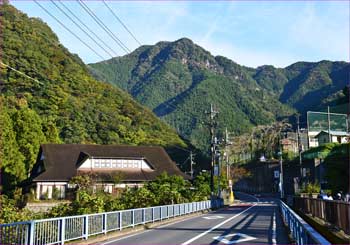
311	188
56	194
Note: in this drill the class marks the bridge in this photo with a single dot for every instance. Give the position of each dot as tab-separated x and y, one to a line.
253	220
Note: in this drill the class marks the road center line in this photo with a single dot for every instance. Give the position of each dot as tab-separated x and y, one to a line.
215	227
274	229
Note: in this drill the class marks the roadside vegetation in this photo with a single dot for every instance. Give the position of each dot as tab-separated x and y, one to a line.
164	190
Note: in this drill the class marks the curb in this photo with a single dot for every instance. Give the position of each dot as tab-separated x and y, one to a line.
102	238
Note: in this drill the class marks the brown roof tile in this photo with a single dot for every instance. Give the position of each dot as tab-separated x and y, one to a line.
62	160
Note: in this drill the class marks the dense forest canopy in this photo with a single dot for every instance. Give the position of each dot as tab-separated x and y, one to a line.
49	96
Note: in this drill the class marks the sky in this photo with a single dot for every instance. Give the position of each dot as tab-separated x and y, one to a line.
251	33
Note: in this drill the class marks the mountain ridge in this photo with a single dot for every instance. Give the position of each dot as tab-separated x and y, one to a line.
173	78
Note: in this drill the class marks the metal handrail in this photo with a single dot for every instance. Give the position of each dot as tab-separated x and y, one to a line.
301	231
63	229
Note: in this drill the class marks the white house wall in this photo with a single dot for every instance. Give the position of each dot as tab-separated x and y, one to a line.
87	164
96	163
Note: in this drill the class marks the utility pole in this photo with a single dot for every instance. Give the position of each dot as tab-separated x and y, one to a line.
226	155
281	169
192	163
329	125
300	148
228	169
212	124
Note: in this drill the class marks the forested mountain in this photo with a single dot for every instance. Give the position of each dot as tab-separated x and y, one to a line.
178	81
53	98
306	85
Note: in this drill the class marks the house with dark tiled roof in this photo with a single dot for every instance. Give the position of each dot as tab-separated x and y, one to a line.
331	136
58	163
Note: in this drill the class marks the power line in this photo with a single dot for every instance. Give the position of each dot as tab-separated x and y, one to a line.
103	26
18	62
81	28
121	22
68	29
92	32
21	73
31	78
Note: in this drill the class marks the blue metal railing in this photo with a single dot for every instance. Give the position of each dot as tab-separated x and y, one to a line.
63	229
301	231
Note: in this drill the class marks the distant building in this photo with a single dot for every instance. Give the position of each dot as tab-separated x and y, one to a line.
313	141
322	121
325	137
58	163
289	145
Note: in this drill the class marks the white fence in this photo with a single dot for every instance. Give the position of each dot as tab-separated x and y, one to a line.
63	229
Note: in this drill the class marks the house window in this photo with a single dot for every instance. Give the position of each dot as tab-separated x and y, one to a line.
120	163
97	163
129	163
108	188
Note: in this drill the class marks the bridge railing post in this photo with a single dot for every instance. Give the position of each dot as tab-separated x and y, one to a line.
143	216
120	220
63	229
161	213
31	232
104	229
86	225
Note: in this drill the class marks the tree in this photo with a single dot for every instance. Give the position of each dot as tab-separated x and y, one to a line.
237	173
202	186
29	134
9	212
12	161
169	189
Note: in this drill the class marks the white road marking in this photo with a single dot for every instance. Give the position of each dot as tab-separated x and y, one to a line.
213	217
215	227
142	232
274	229
139	233
241	238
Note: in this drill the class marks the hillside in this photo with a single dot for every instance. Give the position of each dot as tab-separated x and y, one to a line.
178	81
60	102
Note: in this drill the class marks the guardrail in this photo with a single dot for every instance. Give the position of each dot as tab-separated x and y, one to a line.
334	212
63	229
301	231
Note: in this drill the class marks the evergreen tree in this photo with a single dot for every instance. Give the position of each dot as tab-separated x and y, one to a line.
29	134
12	160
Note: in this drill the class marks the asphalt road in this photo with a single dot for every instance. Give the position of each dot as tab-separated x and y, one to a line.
254	221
